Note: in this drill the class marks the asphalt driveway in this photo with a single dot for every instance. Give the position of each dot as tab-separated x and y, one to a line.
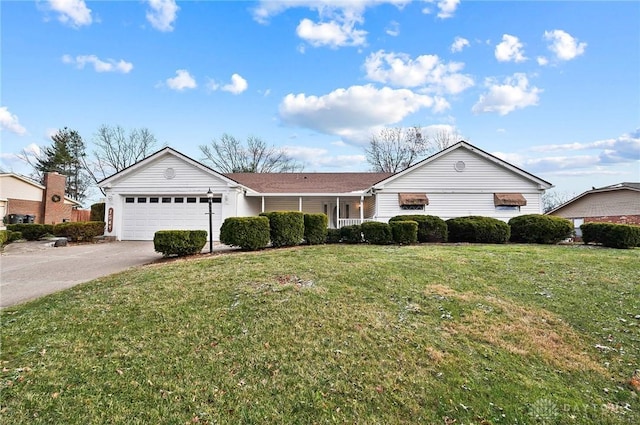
29	270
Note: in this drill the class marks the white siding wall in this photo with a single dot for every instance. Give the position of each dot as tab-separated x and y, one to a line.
454	194
13	188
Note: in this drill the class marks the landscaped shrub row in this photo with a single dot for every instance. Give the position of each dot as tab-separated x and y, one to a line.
179	242
245	232
286	227
477	229
611	235
538	228
315	228
430	227
76	231
377	233
404	232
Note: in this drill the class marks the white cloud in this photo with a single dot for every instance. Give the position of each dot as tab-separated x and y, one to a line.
350	112
513	94
542	61
446	8
393	29
315	158
266	9
426	71
333	34
72	12
459	43
9	121
563	45
510	49
183	80
620	149
237	85
162	14
110	65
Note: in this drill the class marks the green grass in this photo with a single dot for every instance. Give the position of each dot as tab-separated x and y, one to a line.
336	334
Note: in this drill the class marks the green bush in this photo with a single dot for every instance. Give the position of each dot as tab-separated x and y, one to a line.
97	212
246	232
333	236
611	235
538	228
79	230
286	227
430	227
351	234
31	231
4	236
404	232
376	233
476	229
315	228
179	242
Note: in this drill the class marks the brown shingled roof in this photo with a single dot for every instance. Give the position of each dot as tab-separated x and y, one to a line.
308	182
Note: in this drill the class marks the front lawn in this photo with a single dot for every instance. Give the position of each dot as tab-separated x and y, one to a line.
433	334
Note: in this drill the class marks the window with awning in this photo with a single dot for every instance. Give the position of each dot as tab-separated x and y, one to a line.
509	200
412	201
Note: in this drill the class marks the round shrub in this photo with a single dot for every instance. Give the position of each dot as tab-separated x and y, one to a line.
315	228
376	233
31	231
79	230
539	228
286	227
333	236
97	212
404	232
179	242
476	229
430	227
351	234
245	232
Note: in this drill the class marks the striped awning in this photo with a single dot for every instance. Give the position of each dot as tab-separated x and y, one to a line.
509	199
413	199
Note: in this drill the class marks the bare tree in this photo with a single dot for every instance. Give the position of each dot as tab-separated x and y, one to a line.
116	150
442	139
230	155
395	149
552	199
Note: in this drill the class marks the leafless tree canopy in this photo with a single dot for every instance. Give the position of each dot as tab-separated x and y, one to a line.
552	199
230	155
394	149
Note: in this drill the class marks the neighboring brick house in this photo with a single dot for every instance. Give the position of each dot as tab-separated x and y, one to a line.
46	203
618	203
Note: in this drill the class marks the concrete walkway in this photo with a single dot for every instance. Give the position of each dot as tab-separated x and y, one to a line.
29	270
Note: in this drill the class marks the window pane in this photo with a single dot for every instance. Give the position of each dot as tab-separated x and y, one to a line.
153	200
142	200
191	200
178	200
166	200
129	200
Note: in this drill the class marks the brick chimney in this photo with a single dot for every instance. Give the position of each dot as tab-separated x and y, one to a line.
55	210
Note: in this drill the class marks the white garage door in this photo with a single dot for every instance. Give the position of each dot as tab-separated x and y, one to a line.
144	215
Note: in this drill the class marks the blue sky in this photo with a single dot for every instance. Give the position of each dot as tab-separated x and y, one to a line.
552	87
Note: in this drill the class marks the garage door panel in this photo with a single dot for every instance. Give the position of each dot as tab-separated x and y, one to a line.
142	216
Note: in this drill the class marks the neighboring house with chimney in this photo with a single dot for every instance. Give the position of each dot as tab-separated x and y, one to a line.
618	203
25	200
168	190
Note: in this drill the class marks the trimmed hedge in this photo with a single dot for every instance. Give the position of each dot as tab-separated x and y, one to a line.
31	231
430	227
476	229
179	242
246	232
611	235
333	236
4	236
351	234
315	228
97	212
79	230
404	232
539	228
376	233
287	227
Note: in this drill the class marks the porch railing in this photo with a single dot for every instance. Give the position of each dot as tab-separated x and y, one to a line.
351	221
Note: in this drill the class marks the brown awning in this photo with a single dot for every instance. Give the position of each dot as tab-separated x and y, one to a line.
509	199
413	199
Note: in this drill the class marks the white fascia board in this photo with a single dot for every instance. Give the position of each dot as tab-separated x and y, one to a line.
310	195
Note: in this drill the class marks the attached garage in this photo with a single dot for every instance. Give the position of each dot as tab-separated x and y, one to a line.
145	215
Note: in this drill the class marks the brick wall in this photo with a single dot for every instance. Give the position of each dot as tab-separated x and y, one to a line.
55	211
617	219
20	206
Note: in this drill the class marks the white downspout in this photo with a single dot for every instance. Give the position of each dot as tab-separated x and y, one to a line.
300	203
361	208
338	212
262	204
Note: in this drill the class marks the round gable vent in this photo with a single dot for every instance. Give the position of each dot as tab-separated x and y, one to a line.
169	173
459	166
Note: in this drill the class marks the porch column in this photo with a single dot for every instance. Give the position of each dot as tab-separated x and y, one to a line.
337	212
300	204
361	208
262	204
